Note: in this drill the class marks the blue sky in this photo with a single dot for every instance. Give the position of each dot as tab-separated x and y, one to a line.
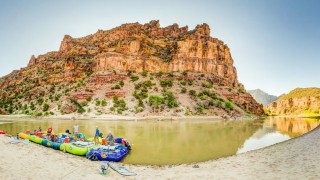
275	44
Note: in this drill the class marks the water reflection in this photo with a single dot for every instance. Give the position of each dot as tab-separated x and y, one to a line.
276	130
184	141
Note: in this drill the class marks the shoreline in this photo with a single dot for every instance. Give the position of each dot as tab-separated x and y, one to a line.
296	158
110	117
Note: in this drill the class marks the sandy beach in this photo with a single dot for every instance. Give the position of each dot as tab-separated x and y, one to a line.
293	159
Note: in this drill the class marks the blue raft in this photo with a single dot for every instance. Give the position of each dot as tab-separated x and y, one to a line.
107	153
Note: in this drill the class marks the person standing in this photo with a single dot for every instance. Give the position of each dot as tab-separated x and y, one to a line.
97	134
76	130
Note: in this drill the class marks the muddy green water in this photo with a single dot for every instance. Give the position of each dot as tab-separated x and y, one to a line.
181	141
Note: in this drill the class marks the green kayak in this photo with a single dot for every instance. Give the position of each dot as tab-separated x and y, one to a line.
35	139
77	148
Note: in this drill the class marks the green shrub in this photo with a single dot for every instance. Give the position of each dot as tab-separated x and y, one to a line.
183	90
88	90
57	97
140	103
166	83
185	73
103	102
192	92
170	100
228	105
206	85
10	110
98	103
190	82
117	86
38	114
119	111
155	101
40	101
144	73
52	89
159	74
134	78
121	83
183	83
84	103
45	107
89	98
79	107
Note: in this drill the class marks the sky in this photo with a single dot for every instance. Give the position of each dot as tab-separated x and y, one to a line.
275	44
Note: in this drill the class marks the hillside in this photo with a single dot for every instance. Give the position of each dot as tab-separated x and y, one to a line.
262	97
134	69
300	101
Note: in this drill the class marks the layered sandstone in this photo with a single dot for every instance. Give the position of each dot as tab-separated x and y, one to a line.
299	101
102	59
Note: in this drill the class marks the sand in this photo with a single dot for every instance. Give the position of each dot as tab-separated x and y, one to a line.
297	158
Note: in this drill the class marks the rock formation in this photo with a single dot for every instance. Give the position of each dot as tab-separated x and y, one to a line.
105	58
300	101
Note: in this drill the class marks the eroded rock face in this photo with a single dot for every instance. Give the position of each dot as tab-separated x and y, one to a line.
137	47
295	106
298	102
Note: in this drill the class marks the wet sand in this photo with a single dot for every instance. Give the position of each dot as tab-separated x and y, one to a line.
293	159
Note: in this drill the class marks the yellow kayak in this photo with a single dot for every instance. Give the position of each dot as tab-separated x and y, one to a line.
23	136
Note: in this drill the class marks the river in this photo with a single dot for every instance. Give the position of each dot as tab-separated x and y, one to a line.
180	141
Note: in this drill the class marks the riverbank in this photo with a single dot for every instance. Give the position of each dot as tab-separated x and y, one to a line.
123	117
294	159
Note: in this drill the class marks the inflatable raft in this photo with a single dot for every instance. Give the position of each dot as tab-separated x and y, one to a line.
23	136
51	144
108	153
35	139
2	132
79	148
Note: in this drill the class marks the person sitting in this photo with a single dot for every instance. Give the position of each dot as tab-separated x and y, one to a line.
49	131
67	131
110	138
39	129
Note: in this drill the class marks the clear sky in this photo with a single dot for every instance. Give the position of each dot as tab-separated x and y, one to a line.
275	44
